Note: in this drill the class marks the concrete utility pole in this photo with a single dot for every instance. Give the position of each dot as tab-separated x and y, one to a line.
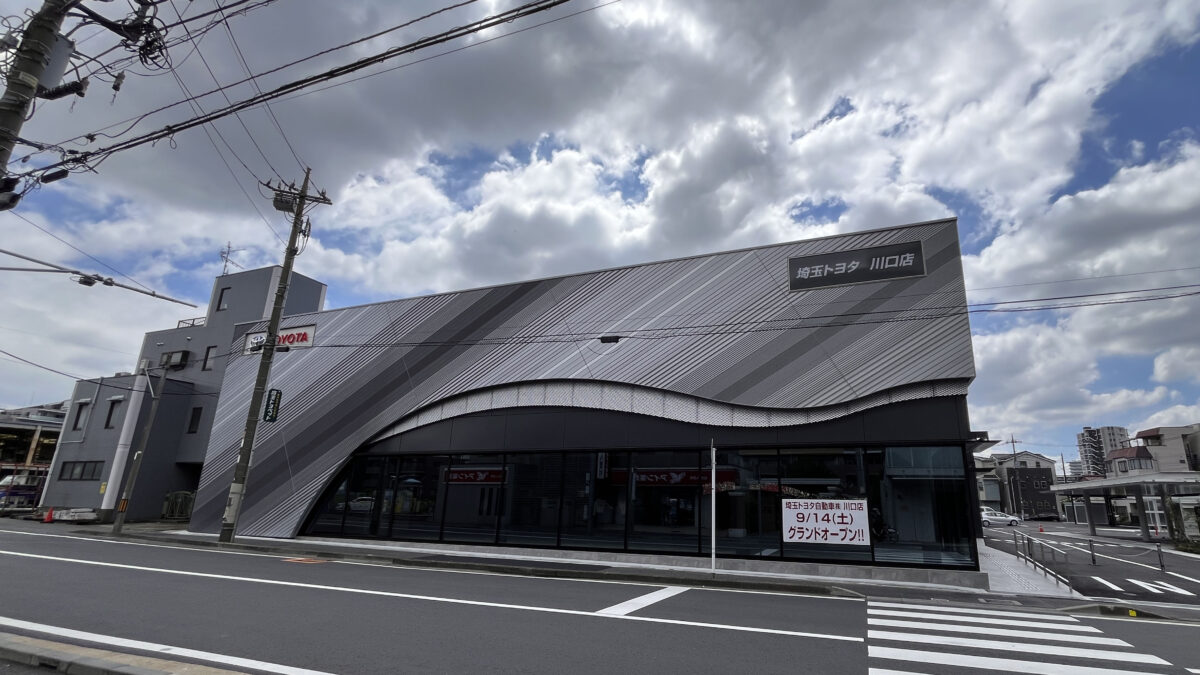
24	77
237	488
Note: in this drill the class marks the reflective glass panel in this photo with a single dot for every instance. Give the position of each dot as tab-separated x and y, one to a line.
595	499
666	501
531	499
473	486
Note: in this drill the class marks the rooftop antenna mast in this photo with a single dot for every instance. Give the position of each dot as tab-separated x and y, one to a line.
226	260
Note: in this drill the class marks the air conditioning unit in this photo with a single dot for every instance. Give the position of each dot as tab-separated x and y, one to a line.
176	360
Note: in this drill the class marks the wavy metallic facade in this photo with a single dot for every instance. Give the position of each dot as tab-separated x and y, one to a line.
716	339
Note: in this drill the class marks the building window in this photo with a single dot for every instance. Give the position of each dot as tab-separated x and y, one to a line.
1122	466
194	422
1023	464
209	352
221	300
112	413
81	471
81	415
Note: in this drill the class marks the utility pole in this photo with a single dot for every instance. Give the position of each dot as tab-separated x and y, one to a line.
1016	470
286	199
24	78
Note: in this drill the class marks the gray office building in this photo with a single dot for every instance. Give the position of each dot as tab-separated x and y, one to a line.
185	365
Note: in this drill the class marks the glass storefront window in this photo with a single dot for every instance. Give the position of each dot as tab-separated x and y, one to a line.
533	488
748	508
473	491
666	501
831	474
414	496
922	498
916	499
595	500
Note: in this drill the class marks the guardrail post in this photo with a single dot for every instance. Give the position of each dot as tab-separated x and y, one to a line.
1016	545
1161	564
1092	550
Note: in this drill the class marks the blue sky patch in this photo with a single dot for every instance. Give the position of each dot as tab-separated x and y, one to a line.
631	185
1149	105
826	211
970	218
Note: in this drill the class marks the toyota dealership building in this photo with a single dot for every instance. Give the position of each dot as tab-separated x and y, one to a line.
580	412
827	376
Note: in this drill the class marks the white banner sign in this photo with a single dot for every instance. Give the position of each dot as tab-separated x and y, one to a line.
300	336
826	521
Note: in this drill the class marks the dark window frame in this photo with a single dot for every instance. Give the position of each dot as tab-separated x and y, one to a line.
209	352
221	306
194	420
81	415
112	408
80	471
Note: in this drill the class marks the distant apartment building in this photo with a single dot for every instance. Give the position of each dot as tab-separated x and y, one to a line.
1075	467
1173	448
1095	443
1024	481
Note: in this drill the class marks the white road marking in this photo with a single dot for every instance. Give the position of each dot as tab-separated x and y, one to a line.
1160	586
429	598
641	601
1011	665
138	543
1109	584
986	620
886	671
1001	632
1076	547
1077	652
969	610
1181	576
161	650
441	570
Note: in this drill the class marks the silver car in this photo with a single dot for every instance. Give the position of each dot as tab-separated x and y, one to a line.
989	516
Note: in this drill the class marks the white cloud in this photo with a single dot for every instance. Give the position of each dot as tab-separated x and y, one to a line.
1178	363
1174	416
718	111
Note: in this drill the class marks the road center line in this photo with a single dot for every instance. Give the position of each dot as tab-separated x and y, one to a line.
429	598
167	650
641	601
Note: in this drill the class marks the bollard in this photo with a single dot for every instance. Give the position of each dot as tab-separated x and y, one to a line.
1161	565
1092	550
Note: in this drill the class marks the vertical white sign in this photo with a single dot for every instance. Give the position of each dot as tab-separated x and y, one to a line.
826	521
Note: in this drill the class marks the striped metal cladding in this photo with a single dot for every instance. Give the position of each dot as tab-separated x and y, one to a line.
716	339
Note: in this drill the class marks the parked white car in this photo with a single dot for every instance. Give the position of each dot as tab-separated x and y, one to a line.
988	516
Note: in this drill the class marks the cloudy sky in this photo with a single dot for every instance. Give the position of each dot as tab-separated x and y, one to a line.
1062	134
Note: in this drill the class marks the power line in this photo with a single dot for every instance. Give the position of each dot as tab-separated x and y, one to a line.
170	130
196	103
76	248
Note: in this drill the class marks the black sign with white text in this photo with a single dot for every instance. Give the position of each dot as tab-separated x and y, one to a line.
877	263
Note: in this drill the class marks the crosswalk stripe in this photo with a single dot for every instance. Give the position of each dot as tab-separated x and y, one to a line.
970	610
984	620
1109	584
967	661
1000	632
1059	650
1159	586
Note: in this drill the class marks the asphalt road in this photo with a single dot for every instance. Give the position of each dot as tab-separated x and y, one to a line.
1125	569
266	613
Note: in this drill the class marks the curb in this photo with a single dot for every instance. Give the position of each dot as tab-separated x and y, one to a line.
64	658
